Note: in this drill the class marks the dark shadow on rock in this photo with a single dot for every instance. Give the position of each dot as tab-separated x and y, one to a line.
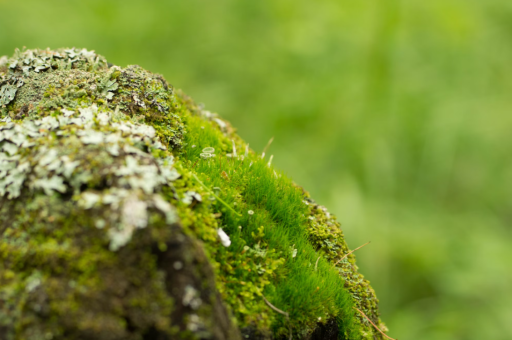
251	333
190	281
328	331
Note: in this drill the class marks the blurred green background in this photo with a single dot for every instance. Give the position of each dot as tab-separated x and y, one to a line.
396	115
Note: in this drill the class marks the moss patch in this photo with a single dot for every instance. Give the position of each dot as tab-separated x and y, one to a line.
105	170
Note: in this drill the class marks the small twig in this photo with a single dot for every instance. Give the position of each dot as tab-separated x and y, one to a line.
377	328
350	252
274	307
217	197
267	146
195	164
280	312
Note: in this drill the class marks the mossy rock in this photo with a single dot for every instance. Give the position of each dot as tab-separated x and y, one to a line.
129	212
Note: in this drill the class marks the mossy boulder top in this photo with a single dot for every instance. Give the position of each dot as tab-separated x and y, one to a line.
129	212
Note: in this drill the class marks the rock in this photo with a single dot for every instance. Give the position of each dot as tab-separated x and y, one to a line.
129	212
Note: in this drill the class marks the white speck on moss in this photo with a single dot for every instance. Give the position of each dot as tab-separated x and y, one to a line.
293	251
224	238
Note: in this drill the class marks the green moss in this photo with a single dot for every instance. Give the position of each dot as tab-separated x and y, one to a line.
293	222
98	169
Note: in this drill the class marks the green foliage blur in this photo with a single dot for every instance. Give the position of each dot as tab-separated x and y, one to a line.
396	115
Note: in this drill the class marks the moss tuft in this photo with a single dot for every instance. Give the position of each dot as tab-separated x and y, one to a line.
128	212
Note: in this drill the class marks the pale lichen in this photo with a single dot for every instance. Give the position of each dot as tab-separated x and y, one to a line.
33	158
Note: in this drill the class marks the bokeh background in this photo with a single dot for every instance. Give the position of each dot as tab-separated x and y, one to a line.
396	115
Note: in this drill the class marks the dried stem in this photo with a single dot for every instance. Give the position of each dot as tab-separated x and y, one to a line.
213	194
377	328
280	312
195	164
350	252
267	146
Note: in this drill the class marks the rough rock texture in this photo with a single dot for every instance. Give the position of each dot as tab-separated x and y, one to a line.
129	212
